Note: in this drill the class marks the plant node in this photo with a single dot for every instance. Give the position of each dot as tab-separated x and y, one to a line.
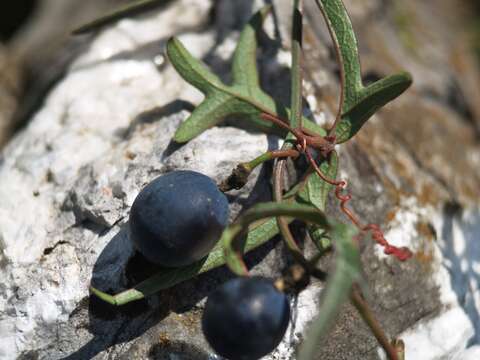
294	280
237	179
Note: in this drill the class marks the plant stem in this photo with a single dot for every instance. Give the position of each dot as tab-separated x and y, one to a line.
399	346
239	176
369	317
270	155
285	230
282	224
297	65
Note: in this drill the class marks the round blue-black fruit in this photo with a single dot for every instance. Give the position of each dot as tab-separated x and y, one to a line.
245	318
177	218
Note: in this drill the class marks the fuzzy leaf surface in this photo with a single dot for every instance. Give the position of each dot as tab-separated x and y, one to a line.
359	102
243	98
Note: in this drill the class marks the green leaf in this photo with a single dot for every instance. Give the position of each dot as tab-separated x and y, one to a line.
359	103
244	98
234	243
296	121
370	100
259	233
244	63
315	190
321	238
128	10
339	284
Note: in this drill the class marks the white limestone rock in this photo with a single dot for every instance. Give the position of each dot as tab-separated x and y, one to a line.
453	333
73	165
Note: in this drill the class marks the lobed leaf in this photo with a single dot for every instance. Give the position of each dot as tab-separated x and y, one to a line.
359	103
194	71
244	64
243	98
370	100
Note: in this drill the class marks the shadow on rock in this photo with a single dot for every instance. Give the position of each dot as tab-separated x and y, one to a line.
461	248
118	268
155	114
177	350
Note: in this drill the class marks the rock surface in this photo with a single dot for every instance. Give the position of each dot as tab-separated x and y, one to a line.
42	48
68	179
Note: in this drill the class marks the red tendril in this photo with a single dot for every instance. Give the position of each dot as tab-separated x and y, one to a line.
401	253
326	145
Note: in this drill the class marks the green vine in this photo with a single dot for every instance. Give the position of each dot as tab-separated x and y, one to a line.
306	201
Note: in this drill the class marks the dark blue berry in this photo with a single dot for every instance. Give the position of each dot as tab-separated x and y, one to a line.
245	318
177	218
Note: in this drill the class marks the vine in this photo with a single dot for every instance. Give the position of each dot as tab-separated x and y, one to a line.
307	199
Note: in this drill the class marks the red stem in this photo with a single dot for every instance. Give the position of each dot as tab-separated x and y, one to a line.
402	253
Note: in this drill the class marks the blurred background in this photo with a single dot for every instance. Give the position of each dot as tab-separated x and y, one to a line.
35	48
